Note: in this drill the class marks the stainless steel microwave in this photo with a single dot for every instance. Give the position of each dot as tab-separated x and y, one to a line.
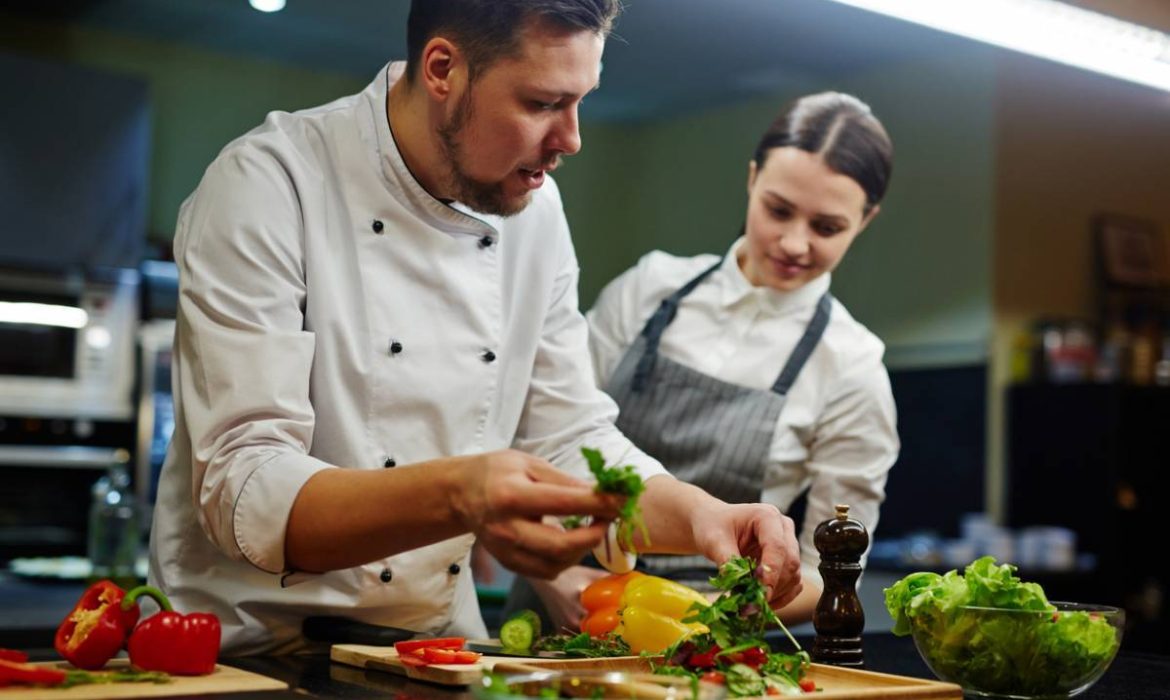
67	344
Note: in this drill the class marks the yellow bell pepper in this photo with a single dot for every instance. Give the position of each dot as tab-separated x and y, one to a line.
662	596
652	612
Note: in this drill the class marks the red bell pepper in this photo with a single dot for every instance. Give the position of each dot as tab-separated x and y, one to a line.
97	627
16	673
182	645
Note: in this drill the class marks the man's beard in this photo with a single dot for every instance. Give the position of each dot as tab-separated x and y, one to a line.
483	197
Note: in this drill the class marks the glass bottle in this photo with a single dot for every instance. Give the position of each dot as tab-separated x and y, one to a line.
114	526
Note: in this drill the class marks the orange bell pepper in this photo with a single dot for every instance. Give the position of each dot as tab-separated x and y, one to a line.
601	600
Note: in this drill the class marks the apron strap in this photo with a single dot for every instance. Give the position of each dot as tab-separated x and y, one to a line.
657	324
806	345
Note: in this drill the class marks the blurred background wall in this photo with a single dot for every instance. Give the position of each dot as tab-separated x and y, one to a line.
1003	162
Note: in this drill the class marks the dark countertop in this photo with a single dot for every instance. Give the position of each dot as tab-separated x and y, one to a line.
30	611
1133	676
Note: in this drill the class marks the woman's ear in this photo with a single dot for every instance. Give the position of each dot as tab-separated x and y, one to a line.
869	217
753	170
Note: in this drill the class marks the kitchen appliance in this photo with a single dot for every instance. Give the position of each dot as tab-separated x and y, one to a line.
67	344
66	409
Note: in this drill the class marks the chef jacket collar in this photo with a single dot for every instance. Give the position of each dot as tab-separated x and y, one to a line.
455	218
737	288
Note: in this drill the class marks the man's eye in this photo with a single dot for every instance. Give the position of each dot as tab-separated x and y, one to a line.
781	213
827	230
544	106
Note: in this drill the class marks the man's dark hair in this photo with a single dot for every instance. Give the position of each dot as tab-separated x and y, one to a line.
487	30
844	132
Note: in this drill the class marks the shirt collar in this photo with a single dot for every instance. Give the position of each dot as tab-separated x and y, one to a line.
455	218
737	288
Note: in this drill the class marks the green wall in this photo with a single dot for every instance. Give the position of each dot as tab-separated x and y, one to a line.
201	100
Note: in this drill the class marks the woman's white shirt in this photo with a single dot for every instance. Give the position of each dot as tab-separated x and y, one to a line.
836	434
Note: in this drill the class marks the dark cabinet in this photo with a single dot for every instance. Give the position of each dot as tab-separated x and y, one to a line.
1092	458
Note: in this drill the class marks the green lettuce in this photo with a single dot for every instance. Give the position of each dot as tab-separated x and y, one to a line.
998	651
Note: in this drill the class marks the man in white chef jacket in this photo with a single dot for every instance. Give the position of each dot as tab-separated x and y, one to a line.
379	355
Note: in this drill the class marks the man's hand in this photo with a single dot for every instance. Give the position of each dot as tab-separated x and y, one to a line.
562	595
754	530
502	498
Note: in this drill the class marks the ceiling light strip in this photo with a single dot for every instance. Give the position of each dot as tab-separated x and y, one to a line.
1045	28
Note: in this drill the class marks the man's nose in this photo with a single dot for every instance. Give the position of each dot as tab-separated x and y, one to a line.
566	135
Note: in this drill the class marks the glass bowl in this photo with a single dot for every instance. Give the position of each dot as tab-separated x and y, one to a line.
594	684
1021	654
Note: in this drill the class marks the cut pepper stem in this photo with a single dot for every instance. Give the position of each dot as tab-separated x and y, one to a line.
149	591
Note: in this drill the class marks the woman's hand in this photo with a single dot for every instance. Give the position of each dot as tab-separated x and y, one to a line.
562	595
758	531
502	497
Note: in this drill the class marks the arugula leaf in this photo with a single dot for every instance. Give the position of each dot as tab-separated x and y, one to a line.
736	621
623	481
582	645
741	613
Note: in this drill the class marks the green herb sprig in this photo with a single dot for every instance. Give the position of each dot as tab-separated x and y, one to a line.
583	645
736	621
125	675
623	481
741	613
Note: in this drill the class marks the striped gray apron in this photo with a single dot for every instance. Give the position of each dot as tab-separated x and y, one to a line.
714	434
705	431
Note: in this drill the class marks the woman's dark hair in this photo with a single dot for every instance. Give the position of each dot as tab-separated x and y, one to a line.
487	30
844	132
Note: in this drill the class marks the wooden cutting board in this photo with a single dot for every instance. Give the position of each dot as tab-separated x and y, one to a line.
224	679
837	683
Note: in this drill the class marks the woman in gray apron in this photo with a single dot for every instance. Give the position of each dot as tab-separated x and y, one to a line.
742	374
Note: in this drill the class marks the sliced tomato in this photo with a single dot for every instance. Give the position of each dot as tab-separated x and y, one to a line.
412	660
438	656
13	655
436	643
754	657
705	659
449	656
714	677
772	690
808	685
467	657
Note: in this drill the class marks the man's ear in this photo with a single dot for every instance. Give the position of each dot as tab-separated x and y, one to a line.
442	69
753	170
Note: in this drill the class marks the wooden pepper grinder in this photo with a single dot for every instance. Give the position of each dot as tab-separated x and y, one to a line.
839	619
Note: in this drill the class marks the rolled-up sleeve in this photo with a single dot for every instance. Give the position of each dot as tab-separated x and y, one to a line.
564	410
244	358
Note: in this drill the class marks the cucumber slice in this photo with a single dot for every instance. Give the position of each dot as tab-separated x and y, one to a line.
520	630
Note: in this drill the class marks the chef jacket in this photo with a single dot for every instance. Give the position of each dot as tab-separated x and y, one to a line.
333	314
835	435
